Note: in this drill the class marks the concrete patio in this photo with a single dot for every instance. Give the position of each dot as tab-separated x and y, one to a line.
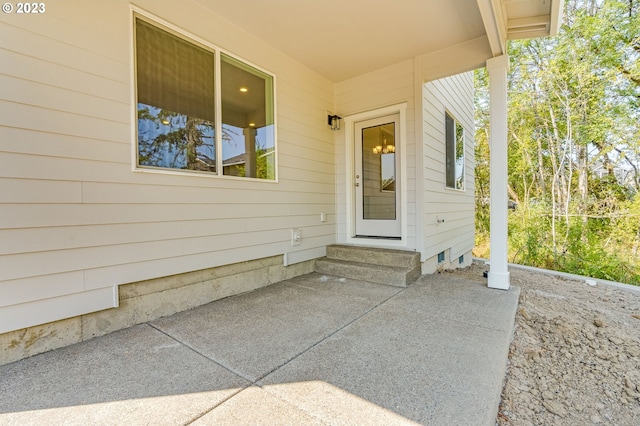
316	349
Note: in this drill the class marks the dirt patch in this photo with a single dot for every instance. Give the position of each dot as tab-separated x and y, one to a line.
575	354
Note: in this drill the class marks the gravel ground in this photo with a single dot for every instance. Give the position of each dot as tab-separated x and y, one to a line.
575	354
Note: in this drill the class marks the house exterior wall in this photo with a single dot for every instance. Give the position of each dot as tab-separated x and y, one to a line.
389	86
428	199
448	214
76	221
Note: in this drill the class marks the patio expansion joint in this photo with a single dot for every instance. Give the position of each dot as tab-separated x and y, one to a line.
472	324
205	412
256	382
328	336
222	401
191	348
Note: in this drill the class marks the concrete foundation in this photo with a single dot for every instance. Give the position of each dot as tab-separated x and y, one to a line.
149	300
431	265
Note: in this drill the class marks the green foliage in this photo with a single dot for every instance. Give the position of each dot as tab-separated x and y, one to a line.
265	166
482	163
574	145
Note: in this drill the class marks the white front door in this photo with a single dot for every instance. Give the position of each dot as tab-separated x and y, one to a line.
377	182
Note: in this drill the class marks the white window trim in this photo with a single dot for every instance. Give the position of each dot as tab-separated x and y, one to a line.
154	19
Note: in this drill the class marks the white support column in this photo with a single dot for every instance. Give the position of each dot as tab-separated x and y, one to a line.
249	151
498	271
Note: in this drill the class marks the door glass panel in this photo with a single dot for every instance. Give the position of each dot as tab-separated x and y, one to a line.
379	172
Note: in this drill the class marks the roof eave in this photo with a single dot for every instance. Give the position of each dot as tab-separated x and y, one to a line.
500	27
494	24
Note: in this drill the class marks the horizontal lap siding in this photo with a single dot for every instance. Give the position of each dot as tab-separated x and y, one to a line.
448	214
392	85
75	217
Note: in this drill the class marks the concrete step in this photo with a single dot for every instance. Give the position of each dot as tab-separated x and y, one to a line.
374	255
380	274
382	266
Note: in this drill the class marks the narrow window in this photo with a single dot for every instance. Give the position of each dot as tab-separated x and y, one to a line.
454	138
176	105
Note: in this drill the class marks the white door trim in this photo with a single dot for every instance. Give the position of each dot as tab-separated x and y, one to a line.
349	126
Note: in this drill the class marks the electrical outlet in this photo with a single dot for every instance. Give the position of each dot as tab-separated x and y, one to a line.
323	217
296	237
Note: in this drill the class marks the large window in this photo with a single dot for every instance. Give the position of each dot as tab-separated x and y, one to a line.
454	137
179	125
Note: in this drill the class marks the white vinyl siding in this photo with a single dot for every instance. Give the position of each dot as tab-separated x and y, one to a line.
448	214
76	221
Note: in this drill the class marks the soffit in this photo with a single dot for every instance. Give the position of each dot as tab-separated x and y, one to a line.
342	39
530	19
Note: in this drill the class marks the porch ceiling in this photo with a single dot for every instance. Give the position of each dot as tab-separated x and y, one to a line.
341	39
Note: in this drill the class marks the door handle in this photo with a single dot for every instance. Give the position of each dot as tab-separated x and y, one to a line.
357	184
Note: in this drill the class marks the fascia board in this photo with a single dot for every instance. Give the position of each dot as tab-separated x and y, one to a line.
494	23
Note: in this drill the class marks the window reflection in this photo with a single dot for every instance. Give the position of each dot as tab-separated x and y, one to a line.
379	172
454	138
248	147
176	100
173	140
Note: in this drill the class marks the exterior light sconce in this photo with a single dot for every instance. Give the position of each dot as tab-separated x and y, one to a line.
334	122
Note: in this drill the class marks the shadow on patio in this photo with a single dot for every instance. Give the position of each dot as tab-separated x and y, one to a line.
314	349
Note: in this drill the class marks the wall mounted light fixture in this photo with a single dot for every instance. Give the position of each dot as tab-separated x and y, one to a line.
334	122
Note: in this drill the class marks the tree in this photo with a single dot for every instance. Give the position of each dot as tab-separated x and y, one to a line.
169	139
574	141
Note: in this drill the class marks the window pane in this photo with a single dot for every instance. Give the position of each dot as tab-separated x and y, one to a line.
459	156
450	150
454	139
248	140
176	104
